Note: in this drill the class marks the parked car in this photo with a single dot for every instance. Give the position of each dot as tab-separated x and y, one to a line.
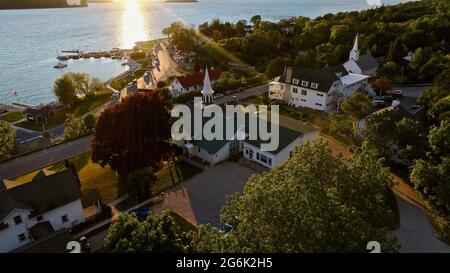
378	103
115	95
230	92
140	213
396	92
240	89
85	245
386	98
218	95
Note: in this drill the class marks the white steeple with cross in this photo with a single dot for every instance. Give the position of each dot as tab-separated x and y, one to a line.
207	92
354	53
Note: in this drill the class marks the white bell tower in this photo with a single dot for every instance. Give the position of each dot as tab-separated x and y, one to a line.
207	92
354	53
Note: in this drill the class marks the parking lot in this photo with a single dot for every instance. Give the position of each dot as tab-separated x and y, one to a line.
200	199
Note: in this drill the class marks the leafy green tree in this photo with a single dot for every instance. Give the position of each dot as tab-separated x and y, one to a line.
256	20
7	140
431	180
410	148
397	50
159	233
356	107
439	139
89	122
95	86
311	203
139	183
73	127
420	57
275	67
65	90
380	132
340	125
341	34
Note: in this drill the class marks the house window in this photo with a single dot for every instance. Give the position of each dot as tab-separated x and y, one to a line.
22	237
294	90
319	94
18	220
304	92
246	151
264	159
314	85
304	83
318	104
295	81
39	218
64	218
257	156
270	161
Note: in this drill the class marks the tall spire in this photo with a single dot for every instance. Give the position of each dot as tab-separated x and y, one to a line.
207	92
354	54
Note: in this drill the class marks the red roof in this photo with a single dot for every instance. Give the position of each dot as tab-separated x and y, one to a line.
197	78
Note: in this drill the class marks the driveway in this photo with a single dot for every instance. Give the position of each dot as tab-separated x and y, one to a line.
200	199
416	234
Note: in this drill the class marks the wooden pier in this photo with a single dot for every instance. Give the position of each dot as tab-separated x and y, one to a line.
77	54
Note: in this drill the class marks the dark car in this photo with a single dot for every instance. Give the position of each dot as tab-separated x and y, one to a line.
140	213
230	92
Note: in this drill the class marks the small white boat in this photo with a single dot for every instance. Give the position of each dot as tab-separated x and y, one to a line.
60	65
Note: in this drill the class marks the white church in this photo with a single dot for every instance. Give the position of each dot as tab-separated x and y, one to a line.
323	89
212	152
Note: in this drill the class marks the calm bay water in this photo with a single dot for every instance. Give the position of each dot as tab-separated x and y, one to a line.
30	39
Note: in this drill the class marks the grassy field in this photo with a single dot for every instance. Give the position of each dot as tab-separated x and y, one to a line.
83	106
105	180
91	175
169	176
12	116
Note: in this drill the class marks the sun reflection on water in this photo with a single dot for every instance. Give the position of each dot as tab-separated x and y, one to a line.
133	27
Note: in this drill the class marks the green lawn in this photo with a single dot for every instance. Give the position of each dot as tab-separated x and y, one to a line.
83	106
122	83
168	177
12	116
91	175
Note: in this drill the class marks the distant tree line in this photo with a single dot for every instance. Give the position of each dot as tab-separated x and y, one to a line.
35	4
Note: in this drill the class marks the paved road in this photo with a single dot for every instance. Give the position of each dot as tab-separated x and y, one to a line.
168	67
412	91
43	158
416	234
251	92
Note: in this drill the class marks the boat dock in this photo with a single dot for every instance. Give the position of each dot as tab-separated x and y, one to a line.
78	54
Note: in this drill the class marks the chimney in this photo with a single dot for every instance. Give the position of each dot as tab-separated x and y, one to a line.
289	72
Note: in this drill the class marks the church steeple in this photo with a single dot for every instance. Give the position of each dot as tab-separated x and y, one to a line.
207	92
354	53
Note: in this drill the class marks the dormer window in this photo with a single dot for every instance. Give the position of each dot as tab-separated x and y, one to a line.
18	220
304	83
314	85
295	81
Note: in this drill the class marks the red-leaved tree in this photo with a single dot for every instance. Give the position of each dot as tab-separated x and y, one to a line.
134	134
